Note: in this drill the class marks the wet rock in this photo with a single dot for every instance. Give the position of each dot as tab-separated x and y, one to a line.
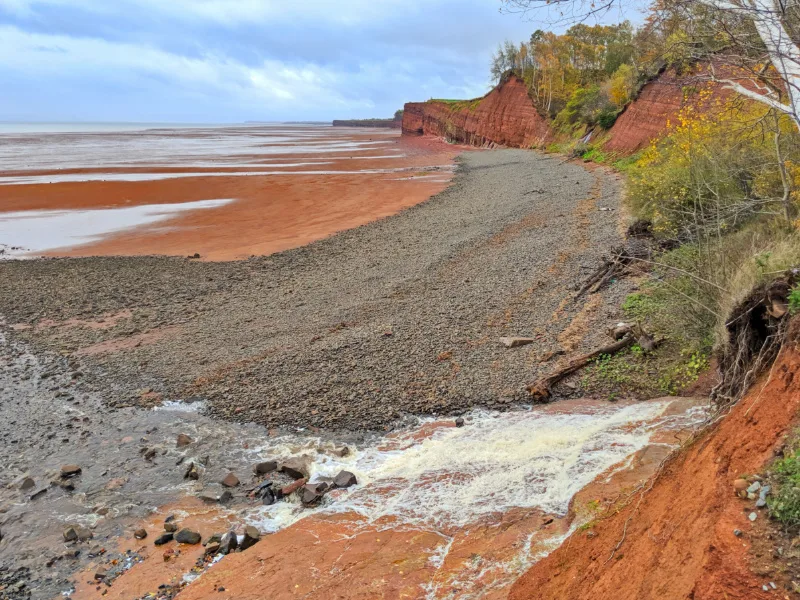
265	467
341	451
213	549
214	538
737	532
514	342
75	533
191	472
230	480
171	527
187	536
313	493
293	487
460	422
215	495
229	543
38	493
100	573
251	537
70	471
164	538
140	534
27	484
296	468
183	440
345	479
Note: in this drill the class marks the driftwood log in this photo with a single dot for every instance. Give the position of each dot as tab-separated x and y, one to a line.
614	266
540	390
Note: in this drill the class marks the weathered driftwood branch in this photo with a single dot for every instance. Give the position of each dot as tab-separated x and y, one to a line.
540	390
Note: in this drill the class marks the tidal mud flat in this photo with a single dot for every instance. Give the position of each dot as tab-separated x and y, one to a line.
107	360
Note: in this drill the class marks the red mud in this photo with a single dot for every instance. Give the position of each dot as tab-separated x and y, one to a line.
679	541
269	214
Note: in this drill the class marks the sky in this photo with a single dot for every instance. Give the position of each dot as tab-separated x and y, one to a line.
228	61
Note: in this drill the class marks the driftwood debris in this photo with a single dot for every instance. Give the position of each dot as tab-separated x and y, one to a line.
540	390
614	266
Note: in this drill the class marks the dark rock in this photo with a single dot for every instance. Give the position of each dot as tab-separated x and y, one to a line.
213	548
27	484
169	519
192	472
140	534
215	538
251	537
295	468
100	573
171	527
345	479
183	440
313	493
230	480
460	422
215	495
187	536
265	467
229	543
70	470
164	538
737	532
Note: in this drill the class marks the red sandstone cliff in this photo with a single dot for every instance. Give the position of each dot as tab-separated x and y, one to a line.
506	116
677	541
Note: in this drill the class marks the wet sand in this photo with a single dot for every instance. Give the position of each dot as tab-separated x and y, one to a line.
287	189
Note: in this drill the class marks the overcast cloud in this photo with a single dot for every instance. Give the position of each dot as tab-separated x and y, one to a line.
237	60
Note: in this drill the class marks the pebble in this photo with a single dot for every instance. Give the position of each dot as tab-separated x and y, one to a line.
70	470
164	538
251	537
187	536
265	467
140	534
230	480
752	516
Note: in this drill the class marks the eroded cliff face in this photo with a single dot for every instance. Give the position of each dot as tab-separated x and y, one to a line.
659	104
689	536
506	116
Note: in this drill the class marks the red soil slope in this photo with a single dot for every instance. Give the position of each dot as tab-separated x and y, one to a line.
506	116
679	541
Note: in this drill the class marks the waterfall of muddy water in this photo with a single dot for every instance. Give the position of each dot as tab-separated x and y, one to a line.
446	512
291	184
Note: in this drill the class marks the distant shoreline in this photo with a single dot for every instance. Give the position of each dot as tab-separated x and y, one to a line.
380	123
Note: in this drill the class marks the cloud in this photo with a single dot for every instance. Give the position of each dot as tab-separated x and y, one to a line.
228	60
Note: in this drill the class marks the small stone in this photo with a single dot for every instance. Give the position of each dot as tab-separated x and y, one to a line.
183	440
27	484
761	503
171	527
460	422
341	452
737	532
164	538
754	487
100	573
76	533
70	470
345	479
192	472
229	543
295	468
515	342
70	535
772	585
752	516
140	534
251	537
230	480
221	588
741	485
313	493
265	467
213	548
187	536
215	538
38	493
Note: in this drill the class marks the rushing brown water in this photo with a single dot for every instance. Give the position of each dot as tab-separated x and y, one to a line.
224	193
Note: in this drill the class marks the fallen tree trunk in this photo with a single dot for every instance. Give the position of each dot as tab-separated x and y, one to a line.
540	390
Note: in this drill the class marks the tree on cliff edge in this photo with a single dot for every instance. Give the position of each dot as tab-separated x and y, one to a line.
772	20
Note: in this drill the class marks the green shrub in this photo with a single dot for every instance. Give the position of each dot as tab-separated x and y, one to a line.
607	117
784	503
794	301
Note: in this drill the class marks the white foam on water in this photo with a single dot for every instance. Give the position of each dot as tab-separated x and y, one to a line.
24	233
455	477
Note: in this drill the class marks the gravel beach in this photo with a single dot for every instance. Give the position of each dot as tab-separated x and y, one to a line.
355	332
